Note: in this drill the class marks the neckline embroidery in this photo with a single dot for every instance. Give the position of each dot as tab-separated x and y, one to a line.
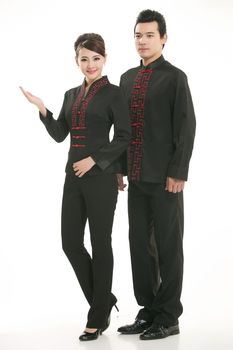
79	110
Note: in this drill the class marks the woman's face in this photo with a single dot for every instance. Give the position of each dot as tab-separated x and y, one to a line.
91	64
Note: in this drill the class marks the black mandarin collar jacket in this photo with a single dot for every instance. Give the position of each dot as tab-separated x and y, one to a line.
88	119
162	120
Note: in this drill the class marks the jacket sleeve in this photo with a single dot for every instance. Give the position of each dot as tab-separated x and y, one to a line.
57	129
184	125
122	134
124	155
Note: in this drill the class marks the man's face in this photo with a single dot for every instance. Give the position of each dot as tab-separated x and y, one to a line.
148	42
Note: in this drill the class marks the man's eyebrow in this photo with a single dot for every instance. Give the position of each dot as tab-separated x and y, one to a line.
145	33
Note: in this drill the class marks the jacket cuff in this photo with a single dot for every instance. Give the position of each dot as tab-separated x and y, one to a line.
46	120
177	172
103	164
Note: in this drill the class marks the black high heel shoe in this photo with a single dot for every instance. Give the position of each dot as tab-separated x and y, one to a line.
109	315
86	336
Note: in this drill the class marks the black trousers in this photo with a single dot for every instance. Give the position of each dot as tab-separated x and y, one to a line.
93	198
156	215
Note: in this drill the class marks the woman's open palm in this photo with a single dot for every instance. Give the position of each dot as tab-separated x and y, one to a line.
34	100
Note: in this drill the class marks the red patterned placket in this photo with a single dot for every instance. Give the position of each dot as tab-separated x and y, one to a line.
79	112
138	95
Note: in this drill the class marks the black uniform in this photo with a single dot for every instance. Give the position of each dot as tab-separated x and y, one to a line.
88	118
163	129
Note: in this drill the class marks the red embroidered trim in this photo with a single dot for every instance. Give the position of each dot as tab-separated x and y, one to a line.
80	107
75	108
78	146
78	128
78	137
138	95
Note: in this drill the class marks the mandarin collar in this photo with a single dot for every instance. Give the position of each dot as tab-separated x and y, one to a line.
153	64
103	78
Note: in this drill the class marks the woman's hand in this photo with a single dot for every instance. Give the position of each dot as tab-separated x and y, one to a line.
121	184
35	100
83	166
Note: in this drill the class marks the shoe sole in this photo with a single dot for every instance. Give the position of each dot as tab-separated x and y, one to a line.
175	332
131	333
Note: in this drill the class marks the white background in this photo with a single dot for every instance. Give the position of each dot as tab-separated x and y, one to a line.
41	304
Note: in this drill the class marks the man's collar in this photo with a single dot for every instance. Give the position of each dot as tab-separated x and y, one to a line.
153	64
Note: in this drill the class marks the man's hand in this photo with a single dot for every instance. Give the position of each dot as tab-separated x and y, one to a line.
174	185
83	166
120	181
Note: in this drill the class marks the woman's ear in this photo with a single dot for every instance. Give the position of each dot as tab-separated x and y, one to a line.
76	59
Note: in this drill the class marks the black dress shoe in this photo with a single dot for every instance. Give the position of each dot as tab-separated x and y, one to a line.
159	332
137	327
90	336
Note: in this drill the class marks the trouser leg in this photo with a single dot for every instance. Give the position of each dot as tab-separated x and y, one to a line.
74	217
101	197
143	250
168	222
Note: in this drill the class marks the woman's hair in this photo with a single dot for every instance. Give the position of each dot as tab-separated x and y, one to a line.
91	41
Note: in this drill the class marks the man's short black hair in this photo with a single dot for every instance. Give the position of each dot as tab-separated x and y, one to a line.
146	16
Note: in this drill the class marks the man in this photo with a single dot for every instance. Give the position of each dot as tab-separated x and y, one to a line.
163	129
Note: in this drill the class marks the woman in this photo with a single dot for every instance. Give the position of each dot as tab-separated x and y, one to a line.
90	189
